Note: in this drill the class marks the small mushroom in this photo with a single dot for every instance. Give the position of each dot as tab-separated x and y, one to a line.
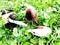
31	14
41	31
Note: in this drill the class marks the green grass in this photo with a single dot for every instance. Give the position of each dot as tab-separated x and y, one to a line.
48	15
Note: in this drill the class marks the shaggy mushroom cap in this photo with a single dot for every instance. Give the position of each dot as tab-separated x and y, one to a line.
31	14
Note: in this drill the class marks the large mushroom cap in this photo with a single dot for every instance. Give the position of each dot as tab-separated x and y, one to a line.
42	31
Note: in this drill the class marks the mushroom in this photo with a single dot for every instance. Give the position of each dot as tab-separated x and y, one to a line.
31	14
41	31
9	20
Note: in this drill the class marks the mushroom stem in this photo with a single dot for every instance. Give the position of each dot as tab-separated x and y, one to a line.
20	23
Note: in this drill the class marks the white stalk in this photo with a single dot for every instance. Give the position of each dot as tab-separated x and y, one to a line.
20	23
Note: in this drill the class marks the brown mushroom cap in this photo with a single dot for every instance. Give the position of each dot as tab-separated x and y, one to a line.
31	14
